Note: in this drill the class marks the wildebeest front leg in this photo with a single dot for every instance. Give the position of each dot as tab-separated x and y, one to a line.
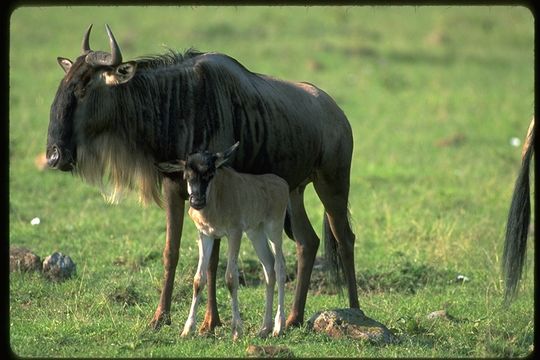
174	205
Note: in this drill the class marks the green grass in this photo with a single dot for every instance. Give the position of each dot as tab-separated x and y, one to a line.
433	94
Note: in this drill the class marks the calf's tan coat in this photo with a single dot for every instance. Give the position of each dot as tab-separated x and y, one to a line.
238	203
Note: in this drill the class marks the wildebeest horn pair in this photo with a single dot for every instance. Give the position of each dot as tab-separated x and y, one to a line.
100	57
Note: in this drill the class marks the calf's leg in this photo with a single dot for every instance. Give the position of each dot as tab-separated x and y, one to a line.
274	233
260	243
231	279
205	250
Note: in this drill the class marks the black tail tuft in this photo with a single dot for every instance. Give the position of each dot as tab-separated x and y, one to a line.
517	226
331	256
287	226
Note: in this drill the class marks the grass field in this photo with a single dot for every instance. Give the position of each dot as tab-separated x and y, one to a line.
433	94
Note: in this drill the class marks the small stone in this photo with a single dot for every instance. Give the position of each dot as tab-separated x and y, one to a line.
441	314
22	259
515	142
269	351
351	323
58	267
437	315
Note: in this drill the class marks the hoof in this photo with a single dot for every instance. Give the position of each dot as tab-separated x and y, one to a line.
293	321
264	332
159	320
279	325
189	328
277	332
208	326
237	331
236	335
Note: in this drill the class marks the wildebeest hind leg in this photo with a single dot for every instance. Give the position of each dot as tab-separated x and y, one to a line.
333	191
307	244
211	316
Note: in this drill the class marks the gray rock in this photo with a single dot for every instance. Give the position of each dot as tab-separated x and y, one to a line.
351	323
58	267
22	259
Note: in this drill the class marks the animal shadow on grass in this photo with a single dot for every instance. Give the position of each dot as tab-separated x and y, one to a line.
137	262
400	275
403	276
126	296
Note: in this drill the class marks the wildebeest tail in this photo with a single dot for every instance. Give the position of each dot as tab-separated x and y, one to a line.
517	226
287	226
331	256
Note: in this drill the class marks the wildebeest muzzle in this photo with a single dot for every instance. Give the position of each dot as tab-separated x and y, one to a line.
60	159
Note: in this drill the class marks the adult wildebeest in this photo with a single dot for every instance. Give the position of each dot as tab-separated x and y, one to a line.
226	203
116	119
519	216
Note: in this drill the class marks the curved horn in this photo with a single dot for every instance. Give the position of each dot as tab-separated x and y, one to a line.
86	41
116	55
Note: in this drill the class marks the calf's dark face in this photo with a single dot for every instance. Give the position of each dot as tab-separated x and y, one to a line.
199	169
198	173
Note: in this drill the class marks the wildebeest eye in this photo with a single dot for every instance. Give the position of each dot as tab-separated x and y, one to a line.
80	92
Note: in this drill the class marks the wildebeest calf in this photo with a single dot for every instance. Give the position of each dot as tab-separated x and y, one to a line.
224	202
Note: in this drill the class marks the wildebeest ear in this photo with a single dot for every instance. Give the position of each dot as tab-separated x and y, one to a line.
171	166
221	158
125	71
64	63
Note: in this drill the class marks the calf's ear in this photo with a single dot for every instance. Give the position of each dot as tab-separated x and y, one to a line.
222	157
171	166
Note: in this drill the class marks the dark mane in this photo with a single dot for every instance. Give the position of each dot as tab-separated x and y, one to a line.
170	58
148	121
